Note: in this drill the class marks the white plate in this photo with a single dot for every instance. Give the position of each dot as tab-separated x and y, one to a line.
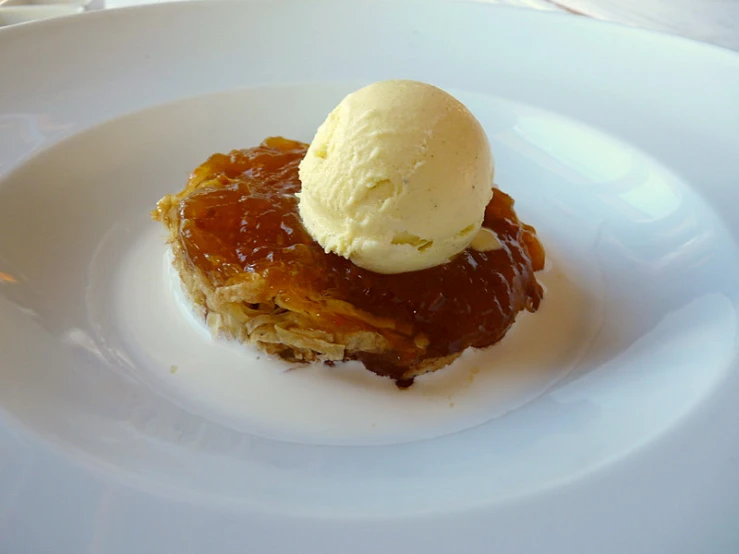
14	14
605	423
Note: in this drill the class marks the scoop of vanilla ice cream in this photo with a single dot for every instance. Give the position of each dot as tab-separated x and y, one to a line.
397	178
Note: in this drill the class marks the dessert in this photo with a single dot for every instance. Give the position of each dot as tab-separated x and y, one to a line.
256	274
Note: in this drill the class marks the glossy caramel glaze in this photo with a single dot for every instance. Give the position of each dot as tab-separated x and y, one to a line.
246	220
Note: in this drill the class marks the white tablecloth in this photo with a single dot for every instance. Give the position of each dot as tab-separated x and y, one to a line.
713	21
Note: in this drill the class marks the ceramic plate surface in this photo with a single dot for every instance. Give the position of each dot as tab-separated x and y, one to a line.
606	422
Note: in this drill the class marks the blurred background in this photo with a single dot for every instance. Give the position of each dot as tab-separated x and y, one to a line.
712	21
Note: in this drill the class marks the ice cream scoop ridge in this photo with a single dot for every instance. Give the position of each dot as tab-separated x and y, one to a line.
397	178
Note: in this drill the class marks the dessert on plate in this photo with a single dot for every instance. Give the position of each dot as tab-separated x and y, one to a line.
382	241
